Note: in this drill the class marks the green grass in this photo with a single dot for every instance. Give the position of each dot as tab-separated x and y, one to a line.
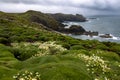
56	64
7	62
57	68
64	66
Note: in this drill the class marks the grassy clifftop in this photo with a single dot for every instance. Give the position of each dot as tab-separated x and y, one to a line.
20	27
29	50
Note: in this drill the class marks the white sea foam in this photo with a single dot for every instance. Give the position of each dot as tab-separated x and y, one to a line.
115	38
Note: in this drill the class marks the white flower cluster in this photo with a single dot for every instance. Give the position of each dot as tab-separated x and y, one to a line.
42	49
49	48
105	78
51	44
27	76
25	44
95	64
118	65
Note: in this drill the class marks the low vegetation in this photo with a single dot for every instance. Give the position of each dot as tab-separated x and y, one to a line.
29	51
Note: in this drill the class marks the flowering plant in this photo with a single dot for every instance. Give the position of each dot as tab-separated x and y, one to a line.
38	49
95	65
27	76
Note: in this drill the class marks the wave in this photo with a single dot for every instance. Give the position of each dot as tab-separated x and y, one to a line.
112	37
115	38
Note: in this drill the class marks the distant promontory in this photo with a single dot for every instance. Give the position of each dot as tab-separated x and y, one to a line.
68	17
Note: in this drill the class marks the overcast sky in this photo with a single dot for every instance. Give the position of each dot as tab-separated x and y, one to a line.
86	7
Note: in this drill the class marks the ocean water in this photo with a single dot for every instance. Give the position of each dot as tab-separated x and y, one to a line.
103	25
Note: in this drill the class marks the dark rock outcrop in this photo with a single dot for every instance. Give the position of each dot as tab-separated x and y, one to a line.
74	29
105	36
90	33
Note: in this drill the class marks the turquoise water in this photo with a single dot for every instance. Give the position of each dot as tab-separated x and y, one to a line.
102	24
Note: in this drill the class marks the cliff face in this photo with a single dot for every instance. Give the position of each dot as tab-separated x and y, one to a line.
68	17
49	21
54	21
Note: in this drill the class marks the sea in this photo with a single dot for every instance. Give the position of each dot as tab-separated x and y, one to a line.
102	24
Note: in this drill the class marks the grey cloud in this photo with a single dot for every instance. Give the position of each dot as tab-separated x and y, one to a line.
72	6
23	1
107	6
97	4
101	6
9	1
95	7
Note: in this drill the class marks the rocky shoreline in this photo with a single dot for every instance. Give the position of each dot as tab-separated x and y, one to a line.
79	30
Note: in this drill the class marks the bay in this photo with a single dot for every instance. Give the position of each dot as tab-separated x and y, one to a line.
102	24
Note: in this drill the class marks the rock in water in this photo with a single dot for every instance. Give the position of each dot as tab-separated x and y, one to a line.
106	36
75	29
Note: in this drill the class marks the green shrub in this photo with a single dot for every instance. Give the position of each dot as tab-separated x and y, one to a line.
57	68
111	56
77	47
4	41
66	45
23	51
115	49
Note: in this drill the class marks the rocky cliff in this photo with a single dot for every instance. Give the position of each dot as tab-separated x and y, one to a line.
68	17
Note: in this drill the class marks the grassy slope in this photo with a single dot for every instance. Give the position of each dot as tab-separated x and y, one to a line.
62	66
16	28
39	17
7	62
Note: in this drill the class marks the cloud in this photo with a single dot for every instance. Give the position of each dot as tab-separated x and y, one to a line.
65	6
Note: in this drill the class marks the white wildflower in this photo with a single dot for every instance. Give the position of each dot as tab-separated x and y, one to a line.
118	65
14	77
21	79
28	76
96	79
88	69
34	79
95	63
